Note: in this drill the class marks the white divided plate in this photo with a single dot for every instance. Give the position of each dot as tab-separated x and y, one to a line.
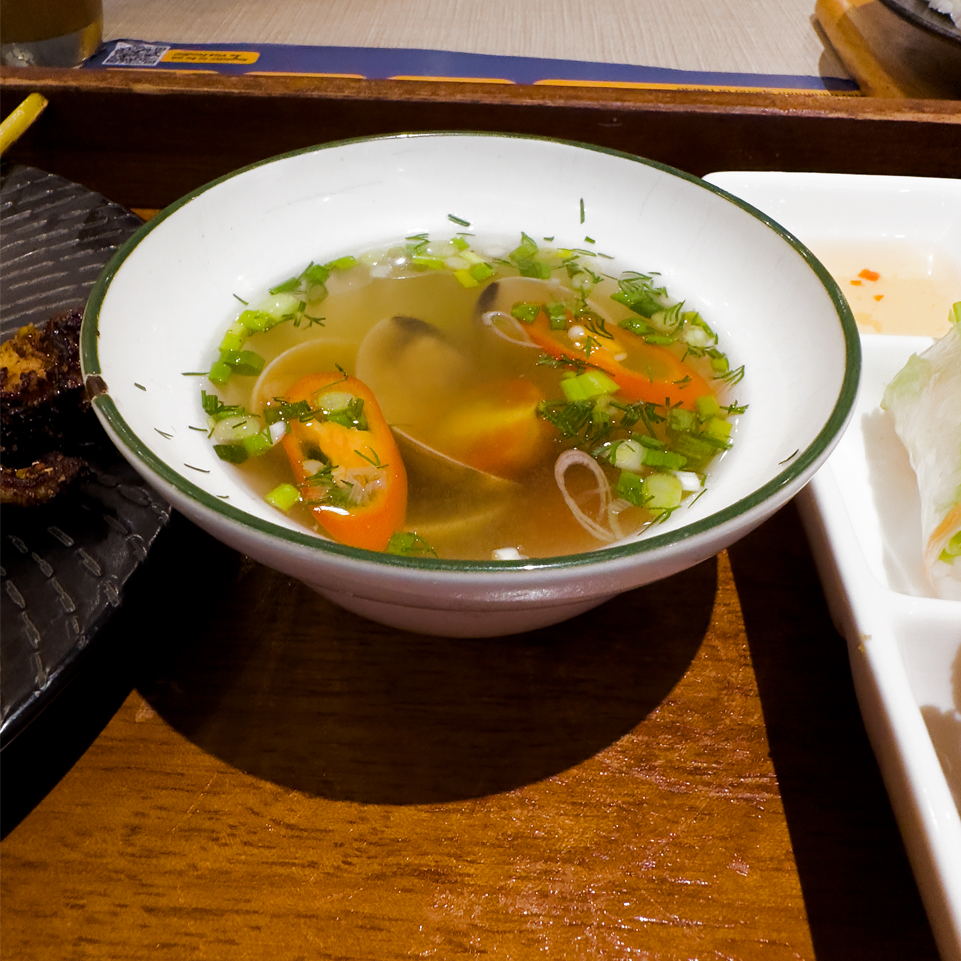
862	515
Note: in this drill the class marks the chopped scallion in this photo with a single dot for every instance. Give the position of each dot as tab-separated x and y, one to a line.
286	287
526	312
409	544
233	453
465	278
283	497
316	274
592	383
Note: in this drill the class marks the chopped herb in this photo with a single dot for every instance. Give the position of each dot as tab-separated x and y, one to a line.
286	287
570	418
232	453
526	312
244	362
732	377
594	322
409	544
217	409
283	496
557	316
643	412
638	293
288	411
576	364
337	495
350	416
529	267
458	220
316	275
374	461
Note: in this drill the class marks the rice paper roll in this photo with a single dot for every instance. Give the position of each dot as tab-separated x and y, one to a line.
925	401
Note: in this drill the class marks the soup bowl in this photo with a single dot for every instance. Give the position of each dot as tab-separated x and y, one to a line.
158	312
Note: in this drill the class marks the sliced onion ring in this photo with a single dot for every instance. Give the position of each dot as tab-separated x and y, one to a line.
494	318
563	463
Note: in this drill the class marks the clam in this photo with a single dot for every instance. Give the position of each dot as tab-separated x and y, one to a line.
296	362
494	305
493	308
409	364
504	293
411	367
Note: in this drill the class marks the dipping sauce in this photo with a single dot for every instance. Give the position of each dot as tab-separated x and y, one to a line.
894	286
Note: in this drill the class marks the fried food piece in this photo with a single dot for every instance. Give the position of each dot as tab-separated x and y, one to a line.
44	414
40	481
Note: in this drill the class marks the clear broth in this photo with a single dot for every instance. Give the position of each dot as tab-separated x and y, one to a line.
464	520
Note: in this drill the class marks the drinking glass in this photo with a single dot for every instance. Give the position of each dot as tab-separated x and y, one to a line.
49	33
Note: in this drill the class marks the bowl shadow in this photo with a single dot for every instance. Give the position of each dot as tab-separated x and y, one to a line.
292	689
851	861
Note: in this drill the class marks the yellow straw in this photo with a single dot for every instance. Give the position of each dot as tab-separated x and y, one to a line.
20	118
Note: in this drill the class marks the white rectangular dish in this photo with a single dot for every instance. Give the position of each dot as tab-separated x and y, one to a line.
884	236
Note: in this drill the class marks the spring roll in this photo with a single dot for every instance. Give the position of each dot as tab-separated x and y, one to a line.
925	401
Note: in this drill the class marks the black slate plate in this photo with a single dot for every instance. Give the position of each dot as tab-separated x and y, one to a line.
921	15
63	566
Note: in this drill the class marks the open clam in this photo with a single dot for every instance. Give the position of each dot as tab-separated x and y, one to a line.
493	310
299	361
413	369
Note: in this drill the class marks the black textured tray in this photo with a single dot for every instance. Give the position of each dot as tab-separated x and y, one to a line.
63	566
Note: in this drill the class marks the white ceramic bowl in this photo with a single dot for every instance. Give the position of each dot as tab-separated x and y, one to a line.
162	305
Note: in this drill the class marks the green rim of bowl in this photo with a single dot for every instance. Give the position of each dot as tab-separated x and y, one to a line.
843	407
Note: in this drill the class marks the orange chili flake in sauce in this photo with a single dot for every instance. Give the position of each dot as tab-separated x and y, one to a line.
869	274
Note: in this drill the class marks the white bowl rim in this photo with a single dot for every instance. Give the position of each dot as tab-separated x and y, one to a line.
792	476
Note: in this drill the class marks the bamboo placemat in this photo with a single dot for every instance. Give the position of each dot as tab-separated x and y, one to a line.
740	36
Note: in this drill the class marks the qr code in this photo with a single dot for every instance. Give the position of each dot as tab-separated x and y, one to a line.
137	54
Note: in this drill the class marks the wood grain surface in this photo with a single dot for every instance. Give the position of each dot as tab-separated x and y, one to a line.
888	55
146	139
680	774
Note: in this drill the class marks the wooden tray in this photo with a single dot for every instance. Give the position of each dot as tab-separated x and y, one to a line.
144	139
682	774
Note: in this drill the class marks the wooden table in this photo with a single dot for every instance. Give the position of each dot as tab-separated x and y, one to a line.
242	770
681	774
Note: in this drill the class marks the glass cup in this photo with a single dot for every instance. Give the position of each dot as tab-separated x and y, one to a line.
49	33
